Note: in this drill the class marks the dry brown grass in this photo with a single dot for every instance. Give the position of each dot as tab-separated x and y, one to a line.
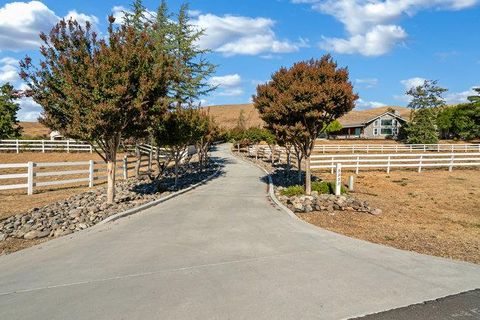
435	212
34	130
17	201
226	116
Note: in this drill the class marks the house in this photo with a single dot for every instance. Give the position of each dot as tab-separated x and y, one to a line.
377	123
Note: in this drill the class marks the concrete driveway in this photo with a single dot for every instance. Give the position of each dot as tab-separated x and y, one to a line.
222	251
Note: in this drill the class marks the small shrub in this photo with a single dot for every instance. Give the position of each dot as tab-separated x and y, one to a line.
326	187
293	191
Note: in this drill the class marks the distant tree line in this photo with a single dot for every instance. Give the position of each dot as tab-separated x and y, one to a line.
431	119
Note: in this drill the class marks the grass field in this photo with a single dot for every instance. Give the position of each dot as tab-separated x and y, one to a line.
435	212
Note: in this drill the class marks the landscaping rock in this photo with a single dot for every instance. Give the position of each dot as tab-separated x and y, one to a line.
84	210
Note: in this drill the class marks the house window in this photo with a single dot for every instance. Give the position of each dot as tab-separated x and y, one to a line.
375	123
387	122
394	122
375	132
387	131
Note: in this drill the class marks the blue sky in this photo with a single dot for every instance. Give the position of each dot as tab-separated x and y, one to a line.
387	45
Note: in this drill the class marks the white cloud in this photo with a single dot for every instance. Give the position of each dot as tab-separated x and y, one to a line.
22	22
412	83
228	85
82	18
367	83
118	12
378	41
234	35
9	70
230	80
460	97
362	104
407	85
29	109
372	24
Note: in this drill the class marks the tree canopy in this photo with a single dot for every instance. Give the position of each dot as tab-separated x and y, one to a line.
9	127
301	101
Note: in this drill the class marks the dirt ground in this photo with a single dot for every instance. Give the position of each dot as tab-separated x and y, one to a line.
435	212
17	201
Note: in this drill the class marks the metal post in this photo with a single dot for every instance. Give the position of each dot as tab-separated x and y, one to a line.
350	183
30	176
338	180
91	172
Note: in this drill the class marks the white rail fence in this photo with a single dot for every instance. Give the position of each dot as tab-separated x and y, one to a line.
88	172
396	160
353	148
45	145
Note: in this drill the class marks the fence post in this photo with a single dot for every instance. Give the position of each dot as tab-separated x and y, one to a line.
43	146
30	176
338	180
358	163
388	165
68	146
331	170
91	171
91	149
350	183
450	168
125	167
420	164
17	146
367	148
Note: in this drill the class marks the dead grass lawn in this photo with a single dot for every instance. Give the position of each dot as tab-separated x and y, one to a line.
435	212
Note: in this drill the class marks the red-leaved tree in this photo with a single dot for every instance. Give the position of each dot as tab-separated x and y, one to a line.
301	101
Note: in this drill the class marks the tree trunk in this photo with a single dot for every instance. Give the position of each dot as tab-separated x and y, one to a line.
177	162
289	162
111	180
299	170
308	177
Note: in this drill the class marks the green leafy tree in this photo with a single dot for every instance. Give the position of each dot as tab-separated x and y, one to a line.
332	127
303	100
191	66
9	127
207	131
177	131
460	122
425	102
101	90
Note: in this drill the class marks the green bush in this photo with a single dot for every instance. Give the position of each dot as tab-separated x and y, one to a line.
293	191
326	187
322	187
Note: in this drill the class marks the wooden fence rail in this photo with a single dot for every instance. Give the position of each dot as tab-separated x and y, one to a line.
353	148
84	172
396	160
45	145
